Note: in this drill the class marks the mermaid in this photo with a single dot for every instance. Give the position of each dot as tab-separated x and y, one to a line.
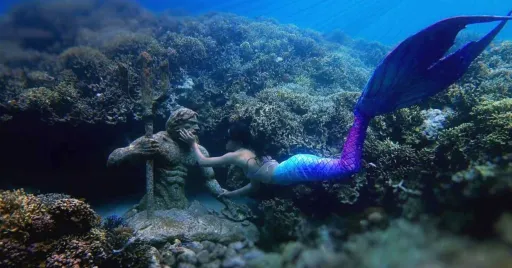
412	72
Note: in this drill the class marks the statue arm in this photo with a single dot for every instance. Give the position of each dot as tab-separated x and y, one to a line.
211	183
232	210
128	154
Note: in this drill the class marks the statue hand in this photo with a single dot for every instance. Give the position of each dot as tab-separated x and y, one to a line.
147	147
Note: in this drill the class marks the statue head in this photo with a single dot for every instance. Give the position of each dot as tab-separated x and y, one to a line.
183	118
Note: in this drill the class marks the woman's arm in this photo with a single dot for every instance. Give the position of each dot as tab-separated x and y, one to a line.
247	189
227	159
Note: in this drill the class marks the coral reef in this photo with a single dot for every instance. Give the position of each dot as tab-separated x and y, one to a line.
73	216
415	158
448	158
88	251
88	72
281	220
21	215
54	230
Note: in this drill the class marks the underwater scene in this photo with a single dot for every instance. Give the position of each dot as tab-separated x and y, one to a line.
261	134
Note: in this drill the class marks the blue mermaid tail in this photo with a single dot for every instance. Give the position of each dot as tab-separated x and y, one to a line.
414	70
409	74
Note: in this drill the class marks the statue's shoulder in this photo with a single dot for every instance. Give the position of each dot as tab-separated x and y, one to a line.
161	134
164	139
203	150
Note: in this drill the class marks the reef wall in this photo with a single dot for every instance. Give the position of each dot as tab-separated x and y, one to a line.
70	93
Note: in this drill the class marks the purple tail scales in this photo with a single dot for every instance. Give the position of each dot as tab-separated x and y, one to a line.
307	167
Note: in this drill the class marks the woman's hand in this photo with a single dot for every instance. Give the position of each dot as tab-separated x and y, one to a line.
224	193
187	137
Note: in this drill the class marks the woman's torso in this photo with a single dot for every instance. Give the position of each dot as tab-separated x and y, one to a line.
257	168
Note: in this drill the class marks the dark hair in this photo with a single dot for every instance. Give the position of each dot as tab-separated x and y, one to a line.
240	132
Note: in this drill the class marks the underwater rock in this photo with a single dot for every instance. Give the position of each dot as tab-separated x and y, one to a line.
154	258
193	223
237	246
253	254
168	258
188	257
504	227
434	122
203	257
292	251
319	258
271	260
207	245
218	252
214	264
234	262
186	265
213	255
195	246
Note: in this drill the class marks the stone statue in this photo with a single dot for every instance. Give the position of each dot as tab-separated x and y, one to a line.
175	165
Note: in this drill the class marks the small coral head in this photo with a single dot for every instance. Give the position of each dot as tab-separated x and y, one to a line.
146	56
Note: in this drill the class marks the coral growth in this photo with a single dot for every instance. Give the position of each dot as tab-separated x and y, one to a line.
94	60
21	215
78	63
87	251
73	216
54	230
281	220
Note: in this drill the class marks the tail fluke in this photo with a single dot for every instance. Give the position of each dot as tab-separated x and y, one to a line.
414	70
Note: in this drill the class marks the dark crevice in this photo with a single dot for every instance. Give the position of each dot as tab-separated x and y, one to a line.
68	159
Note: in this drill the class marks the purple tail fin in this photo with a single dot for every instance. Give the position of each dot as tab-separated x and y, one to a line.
414	70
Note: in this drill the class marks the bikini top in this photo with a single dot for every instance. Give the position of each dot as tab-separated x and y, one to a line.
265	161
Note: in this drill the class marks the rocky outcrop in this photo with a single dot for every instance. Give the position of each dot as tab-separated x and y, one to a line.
196	223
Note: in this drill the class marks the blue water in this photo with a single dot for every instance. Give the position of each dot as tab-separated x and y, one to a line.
387	22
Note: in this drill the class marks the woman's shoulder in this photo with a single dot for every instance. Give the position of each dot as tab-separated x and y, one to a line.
243	156
247	153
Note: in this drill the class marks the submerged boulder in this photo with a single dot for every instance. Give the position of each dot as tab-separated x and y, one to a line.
196	223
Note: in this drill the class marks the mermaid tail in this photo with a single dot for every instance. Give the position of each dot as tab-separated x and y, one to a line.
409	74
414	70
307	167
